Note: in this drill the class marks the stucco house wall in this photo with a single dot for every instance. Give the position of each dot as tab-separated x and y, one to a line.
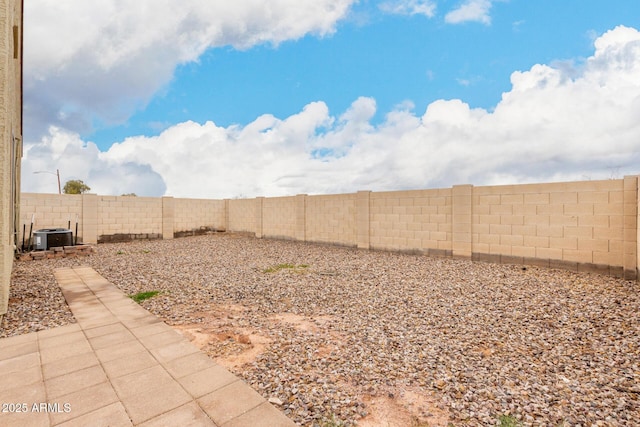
10	137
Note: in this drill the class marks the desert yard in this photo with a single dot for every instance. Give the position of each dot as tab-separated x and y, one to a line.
338	336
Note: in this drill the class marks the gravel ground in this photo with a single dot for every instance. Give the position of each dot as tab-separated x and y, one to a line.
474	341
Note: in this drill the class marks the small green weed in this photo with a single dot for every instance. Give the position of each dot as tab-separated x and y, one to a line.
141	296
285	266
119	252
331	422
508	421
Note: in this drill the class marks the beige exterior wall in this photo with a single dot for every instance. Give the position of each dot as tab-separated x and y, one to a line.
331	219
11	137
196	214
576	225
581	226
279	217
418	220
49	211
127	215
242	215
100	218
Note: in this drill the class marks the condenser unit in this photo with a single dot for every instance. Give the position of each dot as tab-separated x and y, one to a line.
51	237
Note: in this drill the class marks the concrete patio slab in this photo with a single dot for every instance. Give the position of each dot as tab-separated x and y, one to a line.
21	378
113	415
189	415
69	365
119	365
20	363
74	381
129	364
222	409
207	381
193	363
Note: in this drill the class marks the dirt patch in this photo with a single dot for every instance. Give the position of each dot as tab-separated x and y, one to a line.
229	349
196	335
232	346
402	408
247	355
219	334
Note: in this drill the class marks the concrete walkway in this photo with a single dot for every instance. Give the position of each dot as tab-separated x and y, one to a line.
119	366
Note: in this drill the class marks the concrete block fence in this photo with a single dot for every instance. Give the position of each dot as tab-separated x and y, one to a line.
581	226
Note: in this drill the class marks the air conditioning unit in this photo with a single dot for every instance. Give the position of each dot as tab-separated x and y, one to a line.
51	237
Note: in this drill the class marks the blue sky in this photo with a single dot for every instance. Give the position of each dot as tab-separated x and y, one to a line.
392	58
275	98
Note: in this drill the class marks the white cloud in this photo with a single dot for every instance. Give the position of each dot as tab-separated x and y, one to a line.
554	124
76	159
517	25
470	10
409	7
81	57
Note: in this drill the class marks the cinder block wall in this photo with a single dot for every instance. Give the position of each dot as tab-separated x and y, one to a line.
279	217
193	215
100	218
242	215
129	217
581	226
50	211
575	225
331	219
412	221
